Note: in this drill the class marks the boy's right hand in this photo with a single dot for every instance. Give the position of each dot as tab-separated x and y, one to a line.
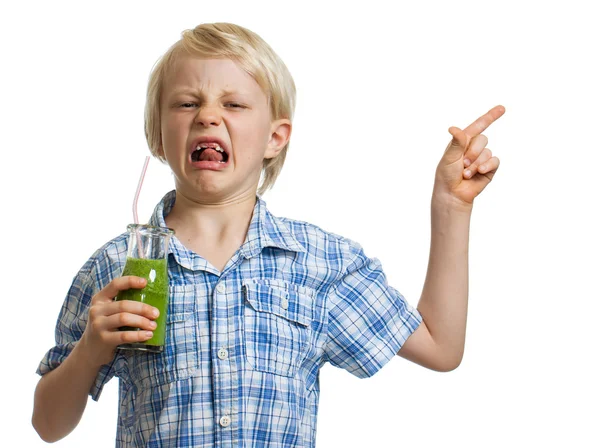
102	334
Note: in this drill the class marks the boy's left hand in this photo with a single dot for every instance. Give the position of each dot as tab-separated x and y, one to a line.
467	166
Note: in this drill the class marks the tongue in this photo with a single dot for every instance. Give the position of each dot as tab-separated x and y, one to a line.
211	155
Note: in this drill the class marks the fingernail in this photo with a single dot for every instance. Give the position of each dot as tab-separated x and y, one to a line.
482	168
467	162
155	312
141	281
148	334
468	173
153	324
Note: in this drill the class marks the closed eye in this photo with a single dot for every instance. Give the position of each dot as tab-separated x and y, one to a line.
234	105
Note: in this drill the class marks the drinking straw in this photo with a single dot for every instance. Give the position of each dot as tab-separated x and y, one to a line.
139	188
135	202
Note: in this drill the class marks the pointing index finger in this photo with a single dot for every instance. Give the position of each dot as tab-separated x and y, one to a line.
483	122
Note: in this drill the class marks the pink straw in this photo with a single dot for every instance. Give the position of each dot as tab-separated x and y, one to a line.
135	202
139	188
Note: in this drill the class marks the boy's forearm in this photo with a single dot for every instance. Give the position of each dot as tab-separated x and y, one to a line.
443	303
61	396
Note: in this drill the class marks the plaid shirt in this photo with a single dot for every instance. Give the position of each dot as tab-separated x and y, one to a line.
245	345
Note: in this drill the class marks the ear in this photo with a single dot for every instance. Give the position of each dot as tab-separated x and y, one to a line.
281	131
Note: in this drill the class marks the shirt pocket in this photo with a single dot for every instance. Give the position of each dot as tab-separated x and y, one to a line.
277	321
179	358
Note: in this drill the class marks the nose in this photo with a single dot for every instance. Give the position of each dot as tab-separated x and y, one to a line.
208	116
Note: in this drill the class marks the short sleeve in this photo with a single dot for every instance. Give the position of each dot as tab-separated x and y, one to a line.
368	319
70	326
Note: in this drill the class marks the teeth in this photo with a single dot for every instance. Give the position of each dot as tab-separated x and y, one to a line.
216	148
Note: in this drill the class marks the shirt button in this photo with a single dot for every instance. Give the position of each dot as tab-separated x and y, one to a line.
225	421
284	303
221	287
222	353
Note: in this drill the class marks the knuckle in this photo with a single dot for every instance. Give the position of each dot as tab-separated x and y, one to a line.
122	319
104	338
93	312
148	310
140	308
126	280
475	140
122	306
124	336
95	326
484	156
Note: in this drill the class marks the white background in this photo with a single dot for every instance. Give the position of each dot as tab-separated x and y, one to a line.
378	88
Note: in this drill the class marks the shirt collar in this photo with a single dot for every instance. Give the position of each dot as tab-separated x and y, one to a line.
265	230
162	209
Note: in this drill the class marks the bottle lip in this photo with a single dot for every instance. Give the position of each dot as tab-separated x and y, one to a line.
150	230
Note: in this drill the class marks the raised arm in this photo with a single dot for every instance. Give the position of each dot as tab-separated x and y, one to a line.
465	169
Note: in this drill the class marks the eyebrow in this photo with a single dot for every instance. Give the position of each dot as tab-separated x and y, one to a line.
223	92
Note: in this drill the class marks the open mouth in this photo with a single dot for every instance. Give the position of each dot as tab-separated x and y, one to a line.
209	152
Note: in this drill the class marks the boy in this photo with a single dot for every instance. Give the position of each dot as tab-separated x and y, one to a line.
257	303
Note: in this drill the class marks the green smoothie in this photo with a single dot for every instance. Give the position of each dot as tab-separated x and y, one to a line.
156	294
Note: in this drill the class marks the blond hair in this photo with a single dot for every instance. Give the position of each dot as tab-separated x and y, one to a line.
252	54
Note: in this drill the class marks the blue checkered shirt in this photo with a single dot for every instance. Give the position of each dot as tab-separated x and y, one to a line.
245	345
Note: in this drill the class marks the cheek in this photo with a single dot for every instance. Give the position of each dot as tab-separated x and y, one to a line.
254	134
171	130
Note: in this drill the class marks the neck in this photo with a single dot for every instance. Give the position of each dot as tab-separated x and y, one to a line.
214	230
211	217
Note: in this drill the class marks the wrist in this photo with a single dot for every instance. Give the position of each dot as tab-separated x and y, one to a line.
85	356
447	203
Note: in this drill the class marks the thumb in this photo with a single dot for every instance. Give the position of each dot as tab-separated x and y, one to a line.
459	143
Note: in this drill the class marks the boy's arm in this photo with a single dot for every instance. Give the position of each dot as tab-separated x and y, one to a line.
61	394
439	341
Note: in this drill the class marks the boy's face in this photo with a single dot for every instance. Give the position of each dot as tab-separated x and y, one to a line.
210	102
